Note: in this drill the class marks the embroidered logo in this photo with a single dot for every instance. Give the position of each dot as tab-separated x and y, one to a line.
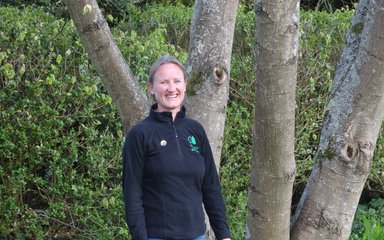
192	144
163	143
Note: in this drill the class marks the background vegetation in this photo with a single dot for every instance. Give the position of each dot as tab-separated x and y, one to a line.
61	139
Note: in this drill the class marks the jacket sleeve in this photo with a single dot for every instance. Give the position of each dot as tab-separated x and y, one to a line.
212	196
133	168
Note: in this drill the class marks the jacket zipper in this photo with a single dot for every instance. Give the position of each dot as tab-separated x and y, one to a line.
177	139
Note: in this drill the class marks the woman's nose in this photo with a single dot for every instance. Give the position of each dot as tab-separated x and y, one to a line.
171	87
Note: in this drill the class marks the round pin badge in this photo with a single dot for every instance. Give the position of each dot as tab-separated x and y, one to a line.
163	143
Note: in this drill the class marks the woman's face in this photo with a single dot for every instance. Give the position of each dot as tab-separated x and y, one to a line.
168	88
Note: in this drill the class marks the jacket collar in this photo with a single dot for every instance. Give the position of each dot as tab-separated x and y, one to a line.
166	116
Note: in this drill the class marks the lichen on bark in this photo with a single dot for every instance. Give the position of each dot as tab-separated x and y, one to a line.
195	82
357	28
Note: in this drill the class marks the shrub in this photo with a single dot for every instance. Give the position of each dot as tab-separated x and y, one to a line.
60	134
174	19
369	221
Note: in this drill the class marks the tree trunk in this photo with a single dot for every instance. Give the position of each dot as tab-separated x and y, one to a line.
350	130
131	101
208	66
273	163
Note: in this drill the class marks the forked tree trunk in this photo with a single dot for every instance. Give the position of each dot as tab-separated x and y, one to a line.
350	130
130	100
273	163
208	65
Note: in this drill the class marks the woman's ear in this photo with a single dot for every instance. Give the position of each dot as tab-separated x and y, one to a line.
150	88
186	85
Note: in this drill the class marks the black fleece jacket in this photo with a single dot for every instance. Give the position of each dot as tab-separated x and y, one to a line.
168	172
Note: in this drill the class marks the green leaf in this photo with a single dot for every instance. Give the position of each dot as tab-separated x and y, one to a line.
59	58
2	56
9	71
50	79
110	18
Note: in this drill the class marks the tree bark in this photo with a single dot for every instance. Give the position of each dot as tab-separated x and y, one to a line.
131	101
350	130
273	164
208	67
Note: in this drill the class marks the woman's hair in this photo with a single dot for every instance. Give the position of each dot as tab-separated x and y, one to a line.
163	60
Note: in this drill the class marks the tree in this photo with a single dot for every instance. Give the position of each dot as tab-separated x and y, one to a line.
350	129
273	162
208	64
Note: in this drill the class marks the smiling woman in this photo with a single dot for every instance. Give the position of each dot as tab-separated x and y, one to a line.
168	87
168	167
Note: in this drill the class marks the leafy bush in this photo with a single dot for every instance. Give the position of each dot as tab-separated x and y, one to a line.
235	169
60	134
369	221
174	19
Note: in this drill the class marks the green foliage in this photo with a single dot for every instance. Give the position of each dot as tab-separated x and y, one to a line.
60	136
326	5
375	182
235	169
174	19
369	221
149	3
242	63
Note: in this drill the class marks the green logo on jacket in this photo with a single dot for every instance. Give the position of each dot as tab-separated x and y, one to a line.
192	144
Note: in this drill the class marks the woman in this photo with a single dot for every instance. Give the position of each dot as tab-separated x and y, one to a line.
168	167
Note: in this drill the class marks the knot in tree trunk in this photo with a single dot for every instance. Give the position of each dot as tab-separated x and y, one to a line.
220	74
